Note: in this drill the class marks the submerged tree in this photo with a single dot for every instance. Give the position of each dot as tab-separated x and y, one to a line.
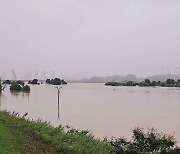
56	81
1	87
7	82
48	81
34	81
178	83
26	88
145	83
148	83
130	83
19	86
15	86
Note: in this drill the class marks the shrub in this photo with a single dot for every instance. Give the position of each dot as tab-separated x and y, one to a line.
7	82
26	88
34	81
20	82
48	81
150	142
19	86
56	81
112	84
15	86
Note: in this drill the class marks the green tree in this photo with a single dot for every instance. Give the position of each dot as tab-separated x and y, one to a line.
48	81
147	81
159	83
34	81
56	81
20	82
63	82
145	143
130	83
153	83
26	88
170	81
2	87
15	86
7	82
18	87
178	83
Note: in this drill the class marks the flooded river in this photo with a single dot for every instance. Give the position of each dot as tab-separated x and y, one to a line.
106	111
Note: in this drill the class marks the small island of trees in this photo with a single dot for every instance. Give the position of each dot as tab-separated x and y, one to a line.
147	83
34	81
18	86
56	81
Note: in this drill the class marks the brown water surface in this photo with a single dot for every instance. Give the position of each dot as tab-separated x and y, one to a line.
106	111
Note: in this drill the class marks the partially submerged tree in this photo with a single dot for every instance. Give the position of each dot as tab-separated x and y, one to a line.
34	81
7	82
56	81
1	87
19	82
147	83
26	88
15	86
18	86
48	81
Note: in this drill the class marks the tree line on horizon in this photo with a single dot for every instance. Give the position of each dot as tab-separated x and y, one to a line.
147	83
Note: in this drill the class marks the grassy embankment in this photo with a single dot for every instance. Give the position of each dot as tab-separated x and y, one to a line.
18	135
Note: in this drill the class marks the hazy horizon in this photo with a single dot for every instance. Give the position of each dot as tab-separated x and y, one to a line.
78	39
45	75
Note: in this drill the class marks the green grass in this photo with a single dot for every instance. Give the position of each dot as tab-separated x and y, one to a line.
18	135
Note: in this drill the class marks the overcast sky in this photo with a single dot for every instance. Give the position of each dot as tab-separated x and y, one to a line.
83	38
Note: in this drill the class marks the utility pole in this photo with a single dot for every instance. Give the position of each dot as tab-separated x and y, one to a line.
58	88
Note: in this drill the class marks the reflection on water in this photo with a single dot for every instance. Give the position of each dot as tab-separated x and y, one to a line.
20	94
106	111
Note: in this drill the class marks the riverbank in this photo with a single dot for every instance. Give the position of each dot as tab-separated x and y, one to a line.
18	135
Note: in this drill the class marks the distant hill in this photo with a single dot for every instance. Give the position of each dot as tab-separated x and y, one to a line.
113	78
129	77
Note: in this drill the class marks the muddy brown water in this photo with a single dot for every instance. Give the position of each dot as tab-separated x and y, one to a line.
106	111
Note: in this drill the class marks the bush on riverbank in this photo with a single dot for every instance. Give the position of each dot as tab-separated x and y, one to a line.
151	142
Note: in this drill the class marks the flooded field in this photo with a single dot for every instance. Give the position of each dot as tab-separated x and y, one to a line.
106	111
